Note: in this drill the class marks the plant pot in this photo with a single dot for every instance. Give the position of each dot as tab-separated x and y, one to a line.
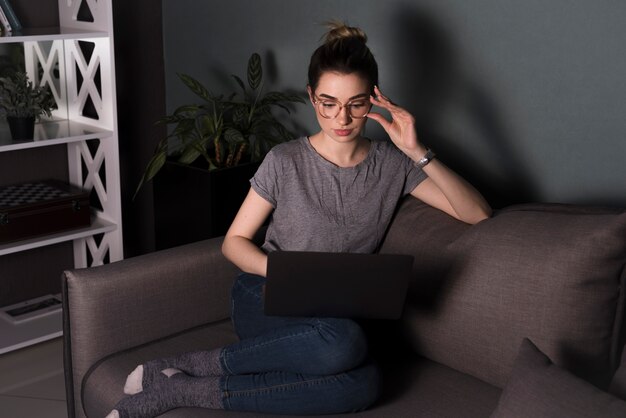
192	203
21	127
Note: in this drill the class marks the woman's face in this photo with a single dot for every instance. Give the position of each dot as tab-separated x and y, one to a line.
336	89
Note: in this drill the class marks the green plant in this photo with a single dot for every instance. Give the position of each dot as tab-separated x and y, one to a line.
20	98
223	131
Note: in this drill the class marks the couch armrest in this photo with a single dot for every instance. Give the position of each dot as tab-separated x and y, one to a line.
131	302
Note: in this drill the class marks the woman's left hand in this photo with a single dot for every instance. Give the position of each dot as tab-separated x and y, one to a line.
401	128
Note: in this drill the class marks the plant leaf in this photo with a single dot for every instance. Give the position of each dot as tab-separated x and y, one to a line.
184	128
184	109
233	136
255	71
240	116
196	87
278	97
240	82
191	153
154	165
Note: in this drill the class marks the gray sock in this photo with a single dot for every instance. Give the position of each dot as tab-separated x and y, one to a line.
197	364
177	391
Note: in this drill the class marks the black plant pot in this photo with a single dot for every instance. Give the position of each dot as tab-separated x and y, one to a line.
192	204
21	127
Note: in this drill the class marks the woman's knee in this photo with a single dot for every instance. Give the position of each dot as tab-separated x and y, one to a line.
360	389
343	346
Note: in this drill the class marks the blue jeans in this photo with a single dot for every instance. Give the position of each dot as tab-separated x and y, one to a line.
294	365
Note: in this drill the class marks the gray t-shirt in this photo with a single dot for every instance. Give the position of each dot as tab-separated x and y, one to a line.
319	206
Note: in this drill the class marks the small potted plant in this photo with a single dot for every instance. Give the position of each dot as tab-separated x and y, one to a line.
23	103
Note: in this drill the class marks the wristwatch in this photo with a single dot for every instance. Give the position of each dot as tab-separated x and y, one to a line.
428	157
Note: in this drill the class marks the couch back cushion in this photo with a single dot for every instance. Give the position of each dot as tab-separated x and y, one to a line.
551	273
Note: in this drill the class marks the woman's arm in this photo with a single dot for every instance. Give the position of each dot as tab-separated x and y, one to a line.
447	191
444	189
238	246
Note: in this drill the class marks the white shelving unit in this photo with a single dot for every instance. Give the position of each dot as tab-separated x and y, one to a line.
80	52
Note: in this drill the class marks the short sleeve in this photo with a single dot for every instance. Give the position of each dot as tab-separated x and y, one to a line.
265	180
414	176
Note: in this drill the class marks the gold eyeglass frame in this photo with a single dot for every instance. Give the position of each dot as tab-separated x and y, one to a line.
317	100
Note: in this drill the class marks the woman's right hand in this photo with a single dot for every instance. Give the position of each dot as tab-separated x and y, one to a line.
401	128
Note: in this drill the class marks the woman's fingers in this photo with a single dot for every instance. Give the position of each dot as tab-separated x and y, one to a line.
380	119
397	112
382	100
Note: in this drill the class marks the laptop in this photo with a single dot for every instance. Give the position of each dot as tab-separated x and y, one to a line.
342	285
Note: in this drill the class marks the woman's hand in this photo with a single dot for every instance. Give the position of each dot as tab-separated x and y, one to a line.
401	128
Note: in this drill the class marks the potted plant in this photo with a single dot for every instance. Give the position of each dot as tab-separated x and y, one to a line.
23	103
215	146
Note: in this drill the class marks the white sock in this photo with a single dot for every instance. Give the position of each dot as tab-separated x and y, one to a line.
165	393
171	372
134	381
113	414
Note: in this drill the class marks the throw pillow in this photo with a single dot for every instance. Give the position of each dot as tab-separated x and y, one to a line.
537	388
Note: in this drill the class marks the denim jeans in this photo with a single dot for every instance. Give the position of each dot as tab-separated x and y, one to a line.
294	365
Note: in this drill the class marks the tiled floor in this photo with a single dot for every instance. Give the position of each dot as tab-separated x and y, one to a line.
31	382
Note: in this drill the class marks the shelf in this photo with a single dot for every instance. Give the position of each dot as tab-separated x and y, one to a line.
52	133
50	34
36	330
98	226
86	78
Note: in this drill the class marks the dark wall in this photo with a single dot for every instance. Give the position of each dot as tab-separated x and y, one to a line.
140	102
526	99
37	13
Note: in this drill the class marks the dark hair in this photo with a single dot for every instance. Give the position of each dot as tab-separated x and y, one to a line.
344	51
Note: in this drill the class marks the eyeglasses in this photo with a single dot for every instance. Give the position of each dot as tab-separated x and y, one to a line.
330	109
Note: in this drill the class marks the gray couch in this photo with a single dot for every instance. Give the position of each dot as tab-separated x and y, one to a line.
551	274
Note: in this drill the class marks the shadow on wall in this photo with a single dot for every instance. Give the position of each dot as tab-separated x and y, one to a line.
433	80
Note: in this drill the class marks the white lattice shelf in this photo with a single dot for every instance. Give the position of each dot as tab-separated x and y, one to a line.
54	133
76	61
51	34
98	226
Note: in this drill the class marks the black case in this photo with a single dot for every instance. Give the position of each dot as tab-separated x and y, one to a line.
38	208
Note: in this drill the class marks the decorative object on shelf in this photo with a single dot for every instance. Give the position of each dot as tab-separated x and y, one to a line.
223	131
5	25
14	22
31	309
40	208
23	103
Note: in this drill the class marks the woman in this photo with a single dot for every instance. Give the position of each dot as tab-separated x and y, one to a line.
333	191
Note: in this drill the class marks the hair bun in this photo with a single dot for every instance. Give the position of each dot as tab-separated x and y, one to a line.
339	30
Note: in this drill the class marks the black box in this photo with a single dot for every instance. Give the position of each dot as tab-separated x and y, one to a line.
39	208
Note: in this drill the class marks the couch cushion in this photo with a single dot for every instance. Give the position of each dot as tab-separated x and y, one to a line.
549	272
412	386
539	389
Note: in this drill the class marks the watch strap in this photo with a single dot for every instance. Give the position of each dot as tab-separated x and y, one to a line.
427	158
